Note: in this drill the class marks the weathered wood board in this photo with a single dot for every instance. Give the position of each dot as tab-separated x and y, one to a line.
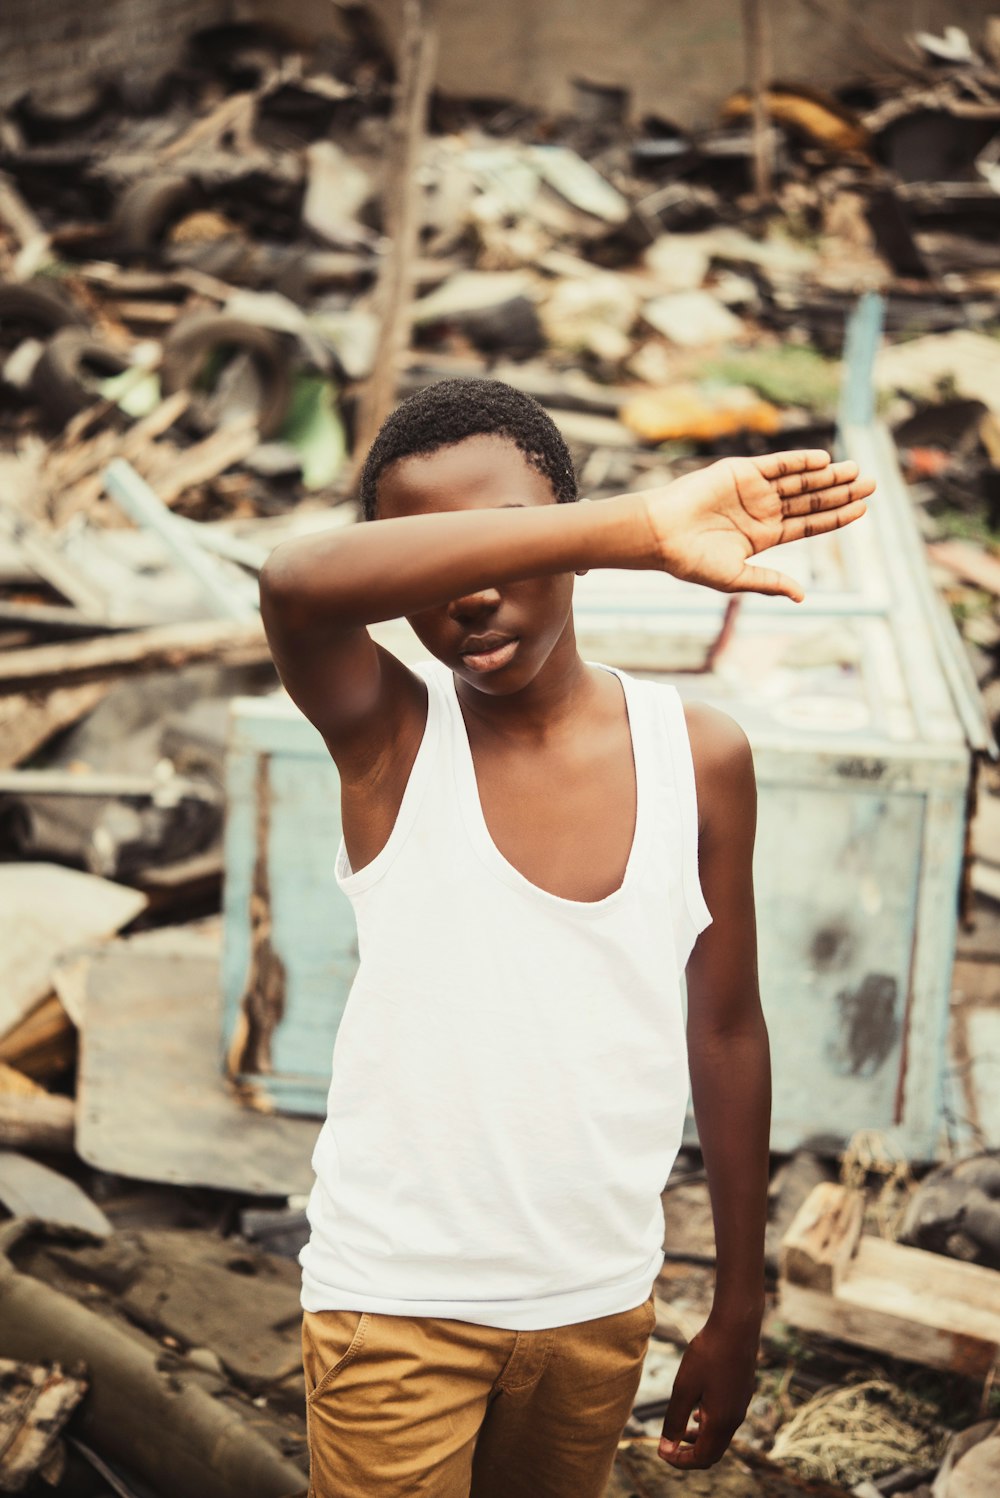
30	1189
152	1100
45	909
903	1301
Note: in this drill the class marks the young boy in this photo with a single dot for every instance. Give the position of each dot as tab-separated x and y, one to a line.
536	848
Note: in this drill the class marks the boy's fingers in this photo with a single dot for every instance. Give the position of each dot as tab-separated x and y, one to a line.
767	580
776	465
708	1444
799	526
810	479
677	1419
827	499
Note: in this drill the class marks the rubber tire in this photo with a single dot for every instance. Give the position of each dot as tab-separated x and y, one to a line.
39	307
58	382
191	340
147	208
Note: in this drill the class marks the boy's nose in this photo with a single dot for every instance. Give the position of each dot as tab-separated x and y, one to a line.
475	605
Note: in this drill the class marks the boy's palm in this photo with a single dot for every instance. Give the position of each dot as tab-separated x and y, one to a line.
707	524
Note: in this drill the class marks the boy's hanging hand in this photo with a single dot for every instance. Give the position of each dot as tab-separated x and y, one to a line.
712	1389
707	524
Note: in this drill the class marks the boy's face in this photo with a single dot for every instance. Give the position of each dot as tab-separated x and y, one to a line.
498	639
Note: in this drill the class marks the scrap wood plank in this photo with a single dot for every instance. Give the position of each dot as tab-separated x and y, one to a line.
192	1285
30	1189
45	909
903	1301
972	563
42	1044
42	552
35	1403
29	719
157	648
153	1103
37	1122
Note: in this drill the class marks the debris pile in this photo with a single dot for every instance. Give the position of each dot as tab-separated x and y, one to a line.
189	292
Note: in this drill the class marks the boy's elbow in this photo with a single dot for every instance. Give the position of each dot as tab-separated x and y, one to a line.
276	577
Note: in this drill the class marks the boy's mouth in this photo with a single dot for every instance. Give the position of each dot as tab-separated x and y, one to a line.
488	652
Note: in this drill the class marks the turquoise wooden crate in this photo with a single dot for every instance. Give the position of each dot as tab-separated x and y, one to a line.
862	719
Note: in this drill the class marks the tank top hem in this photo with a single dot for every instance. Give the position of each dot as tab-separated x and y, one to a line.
537	1314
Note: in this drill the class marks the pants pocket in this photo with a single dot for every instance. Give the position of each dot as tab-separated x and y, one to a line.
330	1340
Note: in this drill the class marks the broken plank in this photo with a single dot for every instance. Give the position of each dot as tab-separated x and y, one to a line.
42	552
30	1189
54	620
864	1324
823	1236
974	564
923	1307
146	510
55	781
205	460
29	720
45	909
162	647
402	197
43	1043
44	1122
35	1403
153	1102
70	465
191	1285
15	1084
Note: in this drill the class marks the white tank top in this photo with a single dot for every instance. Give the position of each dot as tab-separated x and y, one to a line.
510	1075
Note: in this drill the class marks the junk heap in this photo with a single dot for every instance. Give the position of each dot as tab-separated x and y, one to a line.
189	304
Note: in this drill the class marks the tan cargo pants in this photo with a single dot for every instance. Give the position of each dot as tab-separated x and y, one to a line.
416	1407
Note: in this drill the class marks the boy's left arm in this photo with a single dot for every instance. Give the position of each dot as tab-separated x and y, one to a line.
731	1090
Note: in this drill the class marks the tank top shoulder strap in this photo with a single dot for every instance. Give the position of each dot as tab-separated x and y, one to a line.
674	730
427	760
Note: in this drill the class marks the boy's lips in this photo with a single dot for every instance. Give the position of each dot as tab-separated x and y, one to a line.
488	652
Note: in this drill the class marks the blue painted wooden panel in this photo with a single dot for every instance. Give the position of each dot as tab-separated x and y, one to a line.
312	925
855	992
837	874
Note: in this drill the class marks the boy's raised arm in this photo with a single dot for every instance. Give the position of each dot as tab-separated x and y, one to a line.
319	593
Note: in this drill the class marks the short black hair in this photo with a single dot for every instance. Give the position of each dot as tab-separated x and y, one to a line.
452	410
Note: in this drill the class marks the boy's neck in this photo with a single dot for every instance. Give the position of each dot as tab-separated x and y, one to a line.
554	697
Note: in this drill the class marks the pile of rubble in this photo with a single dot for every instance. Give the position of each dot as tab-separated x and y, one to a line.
188	285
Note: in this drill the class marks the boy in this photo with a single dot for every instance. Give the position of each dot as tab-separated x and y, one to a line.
535	848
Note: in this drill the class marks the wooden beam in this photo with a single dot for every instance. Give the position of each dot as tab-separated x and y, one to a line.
924	1307
37	1122
755	41
394	292
824	1234
163	647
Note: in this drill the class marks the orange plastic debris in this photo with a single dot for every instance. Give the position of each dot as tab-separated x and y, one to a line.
683	413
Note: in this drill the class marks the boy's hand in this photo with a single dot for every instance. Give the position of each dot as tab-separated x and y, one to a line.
713	1387
706	524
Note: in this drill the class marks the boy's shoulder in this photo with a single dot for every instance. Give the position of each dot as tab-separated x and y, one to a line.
720	752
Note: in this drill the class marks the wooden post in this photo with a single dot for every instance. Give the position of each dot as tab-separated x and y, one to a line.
755	41
402	219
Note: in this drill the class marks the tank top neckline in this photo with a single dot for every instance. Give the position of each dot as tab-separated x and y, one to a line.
470	802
